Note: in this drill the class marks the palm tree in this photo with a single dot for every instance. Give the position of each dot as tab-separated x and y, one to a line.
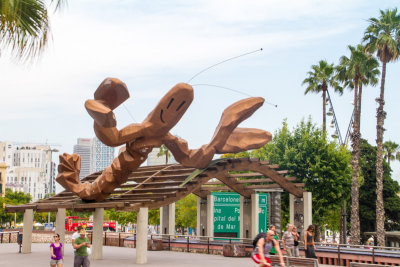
358	70
382	36
317	81
164	151
25	27
391	151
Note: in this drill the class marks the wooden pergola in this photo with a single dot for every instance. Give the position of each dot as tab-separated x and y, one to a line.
157	186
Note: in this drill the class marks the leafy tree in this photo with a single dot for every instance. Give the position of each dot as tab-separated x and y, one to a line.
25	26
154	216
383	37
12	198
186	212
368	192
323	166
317	81
121	217
391	151
355	71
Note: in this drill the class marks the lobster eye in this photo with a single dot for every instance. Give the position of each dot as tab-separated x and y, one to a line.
170	102
181	105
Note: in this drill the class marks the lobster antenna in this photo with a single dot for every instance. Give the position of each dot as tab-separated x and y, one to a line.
130	114
242	55
233	90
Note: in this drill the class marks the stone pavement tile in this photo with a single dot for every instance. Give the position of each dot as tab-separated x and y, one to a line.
114	256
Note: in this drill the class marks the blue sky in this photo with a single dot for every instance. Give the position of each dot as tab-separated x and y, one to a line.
152	45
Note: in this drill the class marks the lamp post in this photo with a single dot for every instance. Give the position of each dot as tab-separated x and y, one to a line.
50	185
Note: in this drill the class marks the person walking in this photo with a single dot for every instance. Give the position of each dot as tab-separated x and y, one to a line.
296	238
276	237
81	244
309	245
76	234
56	252
288	240
264	247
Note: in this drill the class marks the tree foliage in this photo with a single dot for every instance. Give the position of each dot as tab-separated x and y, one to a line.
323	166
186	212
12	198
368	192
122	217
25	26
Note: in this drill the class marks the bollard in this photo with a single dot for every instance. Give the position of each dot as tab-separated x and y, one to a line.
19	241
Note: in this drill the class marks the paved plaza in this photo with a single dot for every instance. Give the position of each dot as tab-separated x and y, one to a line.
115	256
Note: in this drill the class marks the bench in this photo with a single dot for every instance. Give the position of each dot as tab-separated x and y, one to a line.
276	261
308	262
359	264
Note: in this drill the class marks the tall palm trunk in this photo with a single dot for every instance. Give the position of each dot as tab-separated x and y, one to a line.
380	211
359	104
324	88
355	137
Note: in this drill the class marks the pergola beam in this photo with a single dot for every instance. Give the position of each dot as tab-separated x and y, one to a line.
157	186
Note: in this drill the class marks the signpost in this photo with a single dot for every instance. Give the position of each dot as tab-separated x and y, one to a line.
226	214
263	212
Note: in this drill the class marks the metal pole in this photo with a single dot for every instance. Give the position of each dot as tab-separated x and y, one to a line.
338	255
373	255
208	245
169	242
187	243
345	222
119	239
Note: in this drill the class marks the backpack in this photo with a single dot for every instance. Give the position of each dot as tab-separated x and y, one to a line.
260	235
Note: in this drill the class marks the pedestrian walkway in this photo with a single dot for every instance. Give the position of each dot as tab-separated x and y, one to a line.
118	256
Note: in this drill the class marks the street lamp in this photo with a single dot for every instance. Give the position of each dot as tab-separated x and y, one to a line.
51	177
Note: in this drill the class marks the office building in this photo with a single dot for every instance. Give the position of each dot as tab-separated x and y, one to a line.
95	156
29	168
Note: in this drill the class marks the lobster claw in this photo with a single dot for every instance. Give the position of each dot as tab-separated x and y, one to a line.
109	95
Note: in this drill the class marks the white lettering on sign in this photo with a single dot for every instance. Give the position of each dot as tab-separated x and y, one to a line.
230	227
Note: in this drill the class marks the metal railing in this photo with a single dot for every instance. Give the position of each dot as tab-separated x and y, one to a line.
120	236
366	250
7	235
199	240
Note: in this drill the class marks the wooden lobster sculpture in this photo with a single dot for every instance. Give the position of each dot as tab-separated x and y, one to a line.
141	138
